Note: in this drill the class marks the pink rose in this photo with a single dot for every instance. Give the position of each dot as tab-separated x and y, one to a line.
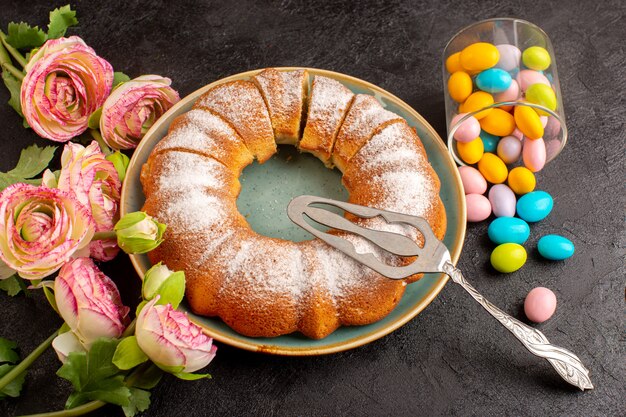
170	340
133	107
94	182
89	302
65	83
40	229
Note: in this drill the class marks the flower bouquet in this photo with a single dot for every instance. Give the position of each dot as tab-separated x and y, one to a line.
55	226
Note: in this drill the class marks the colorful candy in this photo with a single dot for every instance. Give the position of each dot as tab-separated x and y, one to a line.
542	95
478	207
460	86
492	168
476	101
509	149
555	247
540	304
521	180
498	122
527	120
468	130
510	94
490	142
470	152
536	58
502	201
479	56
508	257
508	230
509	57
526	78
493	80
453	63
534	154
473	181
534	206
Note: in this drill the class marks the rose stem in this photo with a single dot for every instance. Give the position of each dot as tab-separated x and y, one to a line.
14	52
98	138
4	55
14	71
130	329
104	235
27	362
76	411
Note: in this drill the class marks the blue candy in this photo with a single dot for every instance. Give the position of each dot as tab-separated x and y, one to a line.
508	230
490	142
555	247
534	206
493	80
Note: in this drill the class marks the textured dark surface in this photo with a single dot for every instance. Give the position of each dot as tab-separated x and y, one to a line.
453	359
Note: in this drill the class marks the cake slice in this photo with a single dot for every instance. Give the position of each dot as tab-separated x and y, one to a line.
241	104
328	103
203	132
364	116
285	96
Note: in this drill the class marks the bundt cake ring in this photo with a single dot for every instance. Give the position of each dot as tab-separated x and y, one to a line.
262	286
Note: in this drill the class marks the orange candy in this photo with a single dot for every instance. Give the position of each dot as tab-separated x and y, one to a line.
498	122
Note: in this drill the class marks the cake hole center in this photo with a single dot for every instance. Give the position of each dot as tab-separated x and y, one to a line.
267	189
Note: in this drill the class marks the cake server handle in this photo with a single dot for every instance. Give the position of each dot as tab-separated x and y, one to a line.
566	363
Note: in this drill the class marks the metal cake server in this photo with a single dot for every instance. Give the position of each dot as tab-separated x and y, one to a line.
432	257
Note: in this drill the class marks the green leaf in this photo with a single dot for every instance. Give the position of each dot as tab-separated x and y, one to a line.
191	377
14	387
149	378
119	77
11	285
128	354
60	20
50	297
120	162
15	87
94	120
33	160
172	290
7	179
139	401
23	36
7	351
94	376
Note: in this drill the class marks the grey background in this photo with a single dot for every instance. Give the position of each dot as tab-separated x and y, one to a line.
453	359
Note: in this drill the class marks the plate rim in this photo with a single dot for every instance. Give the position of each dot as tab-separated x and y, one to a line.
366	338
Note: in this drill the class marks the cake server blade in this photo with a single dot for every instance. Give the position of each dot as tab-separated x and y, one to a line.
433	256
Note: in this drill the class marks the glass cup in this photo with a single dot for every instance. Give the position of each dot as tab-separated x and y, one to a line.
524	57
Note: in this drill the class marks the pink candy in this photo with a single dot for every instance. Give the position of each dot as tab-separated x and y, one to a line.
540	304
534	154
526	78
468	130
478	207
473	181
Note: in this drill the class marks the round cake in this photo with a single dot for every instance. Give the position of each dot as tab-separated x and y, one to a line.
262	286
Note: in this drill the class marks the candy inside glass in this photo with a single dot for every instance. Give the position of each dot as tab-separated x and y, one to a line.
524	66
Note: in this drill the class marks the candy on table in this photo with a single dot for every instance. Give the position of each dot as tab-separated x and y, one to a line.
473	181
508	230
540	304
468	130
508	257
492	168
502	201
498	122
479	56
528	122
476	101
493	80
534	206
536	58
478	207
470	152
534	154
555	247
509	149
490	142
521	180
460	86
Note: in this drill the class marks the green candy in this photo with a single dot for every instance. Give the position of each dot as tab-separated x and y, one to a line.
536	58
542	95
508	257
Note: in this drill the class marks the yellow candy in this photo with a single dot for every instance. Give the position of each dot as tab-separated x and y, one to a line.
521	180
536	58
528	122
498	122
460	86
477	101
492	168
453	64
470	152
543	95
479	56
